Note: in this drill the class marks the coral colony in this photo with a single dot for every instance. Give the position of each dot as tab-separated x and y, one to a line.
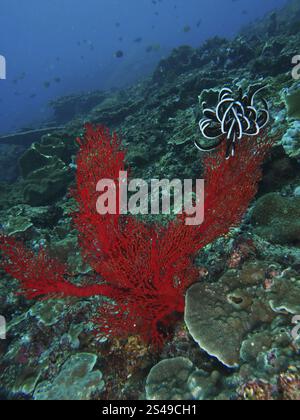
143	269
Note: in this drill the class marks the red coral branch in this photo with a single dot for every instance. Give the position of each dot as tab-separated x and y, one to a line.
145	269
230	186
40	275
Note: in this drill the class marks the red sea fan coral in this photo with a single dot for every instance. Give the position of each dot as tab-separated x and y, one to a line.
145	270
230	185
39	275
126	253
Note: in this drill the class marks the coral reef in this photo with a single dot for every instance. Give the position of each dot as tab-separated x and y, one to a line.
250	272
143	270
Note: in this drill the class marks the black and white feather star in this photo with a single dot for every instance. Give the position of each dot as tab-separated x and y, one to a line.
233	118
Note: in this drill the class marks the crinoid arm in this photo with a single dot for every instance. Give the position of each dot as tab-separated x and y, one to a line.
235	117
203	148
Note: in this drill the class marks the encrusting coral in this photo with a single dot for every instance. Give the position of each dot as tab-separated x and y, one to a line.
144	269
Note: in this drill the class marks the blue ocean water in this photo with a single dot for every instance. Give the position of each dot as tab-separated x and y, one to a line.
59	47
138	306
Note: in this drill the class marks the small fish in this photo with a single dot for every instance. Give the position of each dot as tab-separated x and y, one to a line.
119	54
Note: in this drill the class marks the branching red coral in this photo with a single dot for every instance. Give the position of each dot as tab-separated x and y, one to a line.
125	252
145	270
39	275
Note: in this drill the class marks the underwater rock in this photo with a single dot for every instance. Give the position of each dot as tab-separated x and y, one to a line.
138	156
9	155
50	149
267	352
277	219
68	107
212	54
285	294
297	192
255	344
292	100
181	59
274	65
202	385
46	217
18	222
67	250
31	161
186	131
47	184
23	221
168	380
27	381
62	146
279	171
76	381
72	336
291	140
114	110
46	169
219	316
178	379
48	312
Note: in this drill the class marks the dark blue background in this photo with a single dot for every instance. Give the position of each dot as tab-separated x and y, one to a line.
39	39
